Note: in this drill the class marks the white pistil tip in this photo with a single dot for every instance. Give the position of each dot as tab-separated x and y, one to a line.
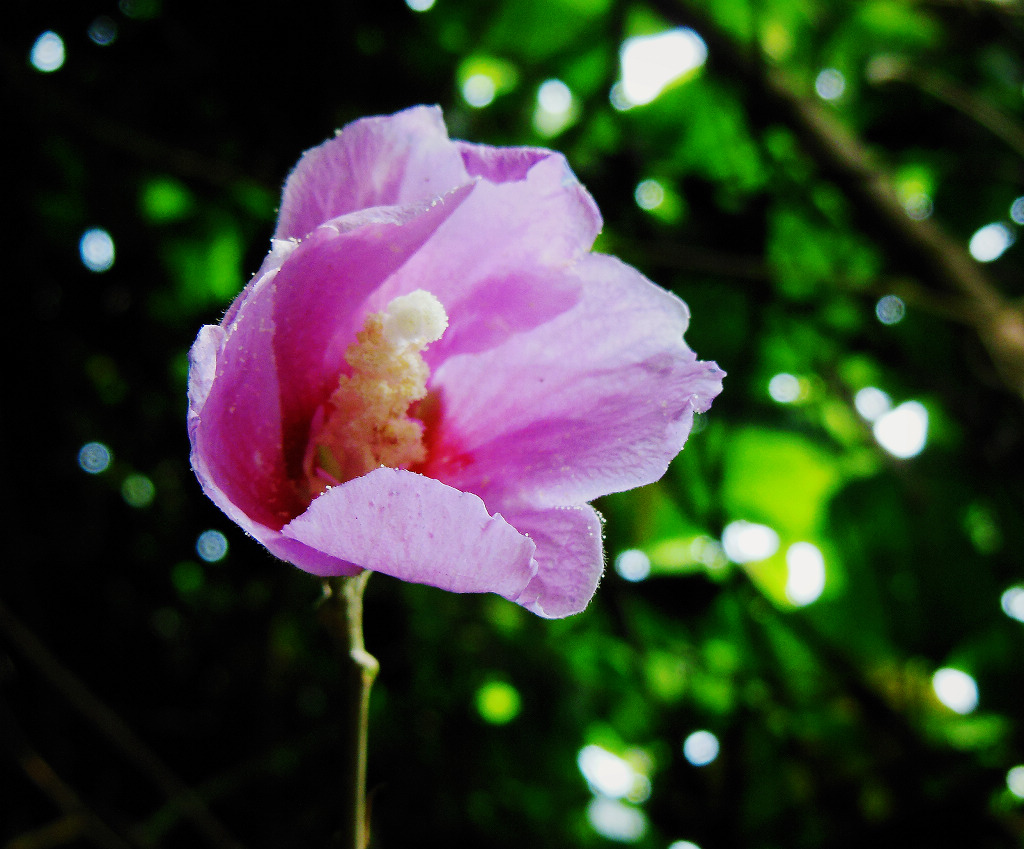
416	319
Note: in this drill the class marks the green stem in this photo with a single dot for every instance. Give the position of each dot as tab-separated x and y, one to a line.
342	613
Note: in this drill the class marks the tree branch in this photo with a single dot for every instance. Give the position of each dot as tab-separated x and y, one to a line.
844	158
111	726
894	69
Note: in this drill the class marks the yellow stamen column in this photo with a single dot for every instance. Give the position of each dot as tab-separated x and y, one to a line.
366	422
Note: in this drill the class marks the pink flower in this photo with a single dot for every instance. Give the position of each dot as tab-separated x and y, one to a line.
431	374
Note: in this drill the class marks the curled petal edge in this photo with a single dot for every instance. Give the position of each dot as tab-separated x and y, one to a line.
420	530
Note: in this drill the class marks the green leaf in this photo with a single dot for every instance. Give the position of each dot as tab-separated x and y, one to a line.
780	479
165	200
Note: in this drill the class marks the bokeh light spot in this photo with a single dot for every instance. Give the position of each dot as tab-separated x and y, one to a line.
479	90
955	689
498	702
616	820
554	96
651	62
555	107
47	52
700	748
617	97
746	542
805	578
1017	211
633	565
420	5
96	248
830	84
94	457
606	773
890	309
649	194
1012	602
138	490
918	206
785	388
1015	781
103	31
903	431
872	402
990	242
212	546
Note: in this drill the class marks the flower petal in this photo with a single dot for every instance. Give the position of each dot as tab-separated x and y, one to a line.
255	384
597	400
306	557
234	419
497	263
323	292
569	556
391	160
500	164
417	529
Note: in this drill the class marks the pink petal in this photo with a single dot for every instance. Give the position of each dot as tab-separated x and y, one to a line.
323	292
417	529
500	164
597	400
306	557
496	264
276	360
569	556
234	419
391	160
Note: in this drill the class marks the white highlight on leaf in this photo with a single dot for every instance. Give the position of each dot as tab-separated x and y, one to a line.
903	431
990	242
605	772
616	821
700	748
872	403
955	689
785	388
746	542
650	62
805	576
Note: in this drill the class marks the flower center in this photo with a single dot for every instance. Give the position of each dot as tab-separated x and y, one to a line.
366	423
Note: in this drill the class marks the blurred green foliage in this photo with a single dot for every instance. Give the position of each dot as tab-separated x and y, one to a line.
810	190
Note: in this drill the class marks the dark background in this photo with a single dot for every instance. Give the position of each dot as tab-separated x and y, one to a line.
132	669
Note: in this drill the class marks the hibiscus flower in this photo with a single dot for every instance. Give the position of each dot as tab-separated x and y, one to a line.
432	375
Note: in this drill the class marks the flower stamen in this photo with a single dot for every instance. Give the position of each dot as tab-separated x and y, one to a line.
366	423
